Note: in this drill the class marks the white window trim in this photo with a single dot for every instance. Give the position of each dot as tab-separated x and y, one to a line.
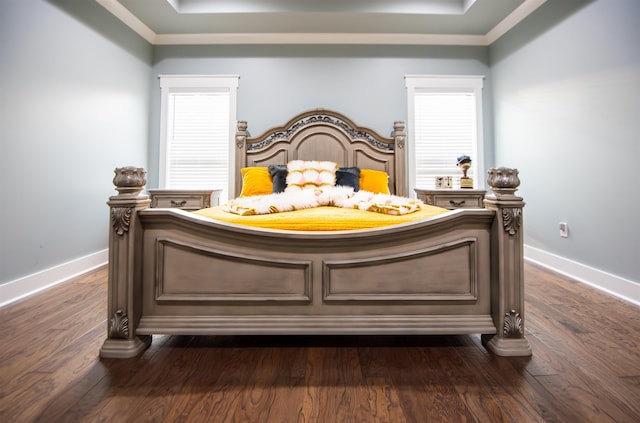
434	83
181	83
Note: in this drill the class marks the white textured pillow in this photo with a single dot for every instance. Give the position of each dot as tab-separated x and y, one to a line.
310	174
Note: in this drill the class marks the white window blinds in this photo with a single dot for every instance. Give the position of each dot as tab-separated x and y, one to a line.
444	129
445	122
198	119
197	140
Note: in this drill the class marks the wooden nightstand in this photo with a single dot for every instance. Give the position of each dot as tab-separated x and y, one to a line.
452	198
185	199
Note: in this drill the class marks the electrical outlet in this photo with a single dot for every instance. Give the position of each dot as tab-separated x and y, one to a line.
564	230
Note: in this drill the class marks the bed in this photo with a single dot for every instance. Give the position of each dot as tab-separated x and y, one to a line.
177	272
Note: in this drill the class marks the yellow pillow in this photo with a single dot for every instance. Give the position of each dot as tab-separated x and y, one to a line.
375	181
255	181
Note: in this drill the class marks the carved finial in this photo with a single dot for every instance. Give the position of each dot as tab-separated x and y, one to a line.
130	179
503	180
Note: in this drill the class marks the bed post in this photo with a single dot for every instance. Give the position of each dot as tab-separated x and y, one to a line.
507	274
400	138
240	155
124	273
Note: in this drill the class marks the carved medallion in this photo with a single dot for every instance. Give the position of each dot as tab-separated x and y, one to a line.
400	135
121	219
511	218
241	138
240	141
119	325
513	325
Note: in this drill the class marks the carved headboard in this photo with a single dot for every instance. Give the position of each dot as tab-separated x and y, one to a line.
325	135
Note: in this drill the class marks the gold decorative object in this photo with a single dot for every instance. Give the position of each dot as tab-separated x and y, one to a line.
464	163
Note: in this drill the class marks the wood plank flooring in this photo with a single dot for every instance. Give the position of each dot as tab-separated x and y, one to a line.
585	368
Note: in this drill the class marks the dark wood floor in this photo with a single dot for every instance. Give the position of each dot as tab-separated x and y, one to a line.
585	368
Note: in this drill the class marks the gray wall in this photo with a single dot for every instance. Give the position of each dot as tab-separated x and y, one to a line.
75	93
81	96
366	83
567	114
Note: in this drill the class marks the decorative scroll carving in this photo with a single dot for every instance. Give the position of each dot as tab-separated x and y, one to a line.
511	218
121	219
119	325
512	325
320	118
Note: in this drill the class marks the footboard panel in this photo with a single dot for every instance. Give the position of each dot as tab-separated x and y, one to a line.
206	277
185	272
438	273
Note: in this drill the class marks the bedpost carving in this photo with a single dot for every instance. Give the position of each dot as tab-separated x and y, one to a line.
240	154
119	325
399	134
400	138
121	219
241	134
507	275
124	275
513	327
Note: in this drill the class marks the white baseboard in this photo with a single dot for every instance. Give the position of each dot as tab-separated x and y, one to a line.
612	284
30	284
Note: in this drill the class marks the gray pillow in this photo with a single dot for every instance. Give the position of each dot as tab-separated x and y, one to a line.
278	176
348	177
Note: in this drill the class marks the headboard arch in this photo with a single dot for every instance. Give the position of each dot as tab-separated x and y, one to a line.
325	135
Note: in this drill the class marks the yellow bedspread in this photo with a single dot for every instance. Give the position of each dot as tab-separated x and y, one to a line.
325	218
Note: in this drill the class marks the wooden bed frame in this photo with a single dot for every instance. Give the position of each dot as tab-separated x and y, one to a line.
173	272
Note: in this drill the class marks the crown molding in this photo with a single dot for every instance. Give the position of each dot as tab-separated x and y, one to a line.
129	19
521	12
321	38
132	21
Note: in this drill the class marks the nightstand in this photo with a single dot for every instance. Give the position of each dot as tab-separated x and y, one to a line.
185	199
452	198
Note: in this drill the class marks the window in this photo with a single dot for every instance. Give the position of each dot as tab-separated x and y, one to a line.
445	122
198	115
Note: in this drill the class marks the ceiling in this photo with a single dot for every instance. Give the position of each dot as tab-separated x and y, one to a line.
408	22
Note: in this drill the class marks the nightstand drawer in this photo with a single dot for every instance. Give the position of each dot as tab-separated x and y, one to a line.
183	199
458	202
181	202
452	198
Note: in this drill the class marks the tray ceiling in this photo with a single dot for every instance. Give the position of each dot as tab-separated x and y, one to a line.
426	22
